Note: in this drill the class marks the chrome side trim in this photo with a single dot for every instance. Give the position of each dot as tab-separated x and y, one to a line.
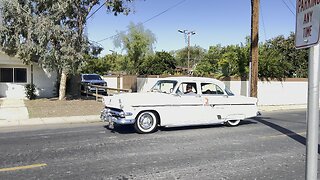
182	105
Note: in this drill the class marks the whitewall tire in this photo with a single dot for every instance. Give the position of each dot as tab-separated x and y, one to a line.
146	122
233	122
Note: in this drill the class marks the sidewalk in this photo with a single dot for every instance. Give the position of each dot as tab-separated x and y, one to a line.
52	120
13	112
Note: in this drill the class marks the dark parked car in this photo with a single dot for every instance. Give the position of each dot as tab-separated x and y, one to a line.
92	79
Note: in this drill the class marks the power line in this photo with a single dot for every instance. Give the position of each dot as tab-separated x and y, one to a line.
288	7
293	6
153	17
96	10
164	11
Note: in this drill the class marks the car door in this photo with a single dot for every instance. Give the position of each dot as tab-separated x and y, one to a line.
188	107
194	109
217	103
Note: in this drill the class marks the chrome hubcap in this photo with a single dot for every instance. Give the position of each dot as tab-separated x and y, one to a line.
146	121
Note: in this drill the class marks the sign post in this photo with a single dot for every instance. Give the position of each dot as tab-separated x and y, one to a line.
307	35
313	114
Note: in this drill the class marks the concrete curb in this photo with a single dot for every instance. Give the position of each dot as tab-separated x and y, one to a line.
269	108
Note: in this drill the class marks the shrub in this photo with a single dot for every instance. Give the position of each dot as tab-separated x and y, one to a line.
30	91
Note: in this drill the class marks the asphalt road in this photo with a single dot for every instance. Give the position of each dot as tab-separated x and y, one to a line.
269	147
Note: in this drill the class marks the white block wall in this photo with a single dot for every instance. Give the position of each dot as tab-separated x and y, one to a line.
281	93
112	81
269	93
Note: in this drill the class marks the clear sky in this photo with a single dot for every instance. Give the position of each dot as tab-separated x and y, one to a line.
215	22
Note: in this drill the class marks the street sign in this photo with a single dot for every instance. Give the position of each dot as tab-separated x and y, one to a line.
307	23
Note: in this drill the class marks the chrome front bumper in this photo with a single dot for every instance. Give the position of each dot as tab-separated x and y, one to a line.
116	116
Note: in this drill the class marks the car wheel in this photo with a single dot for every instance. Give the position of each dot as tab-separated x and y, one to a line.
233	122
146	122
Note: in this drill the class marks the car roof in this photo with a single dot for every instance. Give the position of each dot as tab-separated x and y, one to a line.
195	79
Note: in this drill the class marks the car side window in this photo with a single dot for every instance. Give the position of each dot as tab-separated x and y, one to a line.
187	89
211	89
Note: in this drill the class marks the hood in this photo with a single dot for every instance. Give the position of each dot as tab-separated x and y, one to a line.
136	99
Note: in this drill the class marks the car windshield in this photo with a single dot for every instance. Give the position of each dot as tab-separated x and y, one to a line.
164	86
91	77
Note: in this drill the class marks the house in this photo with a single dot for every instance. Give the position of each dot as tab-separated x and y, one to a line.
14	75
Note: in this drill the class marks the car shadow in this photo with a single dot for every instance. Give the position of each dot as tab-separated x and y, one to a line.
283	130
123	129
129	129
243	122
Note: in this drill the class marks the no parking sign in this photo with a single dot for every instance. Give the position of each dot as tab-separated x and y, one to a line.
307	23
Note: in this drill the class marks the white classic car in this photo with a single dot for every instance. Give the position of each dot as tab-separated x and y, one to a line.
179	101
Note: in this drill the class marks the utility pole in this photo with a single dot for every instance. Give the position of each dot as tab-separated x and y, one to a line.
188	51
254	48
187	34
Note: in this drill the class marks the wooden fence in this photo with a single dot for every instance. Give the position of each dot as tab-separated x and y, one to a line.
108	91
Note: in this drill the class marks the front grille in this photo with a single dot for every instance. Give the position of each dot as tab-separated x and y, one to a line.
114	112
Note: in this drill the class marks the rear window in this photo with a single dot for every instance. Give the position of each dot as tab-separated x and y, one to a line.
211	89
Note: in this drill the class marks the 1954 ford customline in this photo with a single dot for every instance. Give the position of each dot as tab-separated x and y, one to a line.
179	101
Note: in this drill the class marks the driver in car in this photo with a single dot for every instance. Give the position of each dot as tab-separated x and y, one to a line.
189	90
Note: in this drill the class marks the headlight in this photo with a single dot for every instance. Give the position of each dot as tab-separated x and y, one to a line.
122	114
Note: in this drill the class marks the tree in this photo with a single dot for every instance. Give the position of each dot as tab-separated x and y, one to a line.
160	63
96	65
225	61
297	58
137	42
103	65
280	59
196	55
272	64
209	64
50	32
204	68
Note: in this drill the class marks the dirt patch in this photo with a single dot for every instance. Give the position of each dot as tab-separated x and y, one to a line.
41	108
